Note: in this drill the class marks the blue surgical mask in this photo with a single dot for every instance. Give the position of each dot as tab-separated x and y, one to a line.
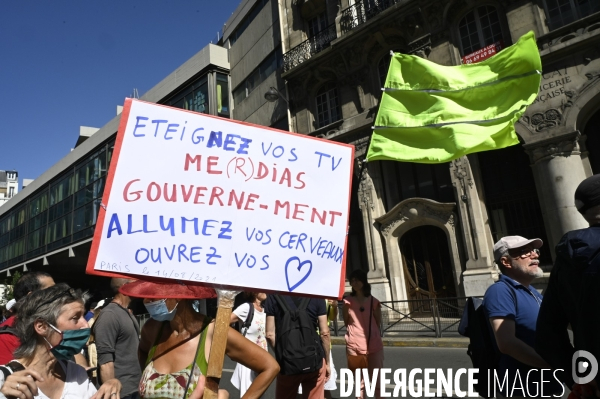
72	342
158	310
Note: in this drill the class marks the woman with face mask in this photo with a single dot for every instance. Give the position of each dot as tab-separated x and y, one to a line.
175	344
52	329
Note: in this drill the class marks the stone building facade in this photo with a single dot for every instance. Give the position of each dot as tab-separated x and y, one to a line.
426	231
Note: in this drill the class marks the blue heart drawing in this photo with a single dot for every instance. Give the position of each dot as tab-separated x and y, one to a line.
300	265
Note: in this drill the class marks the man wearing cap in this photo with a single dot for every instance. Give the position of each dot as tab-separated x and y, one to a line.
512	306
573	294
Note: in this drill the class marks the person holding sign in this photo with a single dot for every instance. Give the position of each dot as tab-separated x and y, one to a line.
175	345
253	316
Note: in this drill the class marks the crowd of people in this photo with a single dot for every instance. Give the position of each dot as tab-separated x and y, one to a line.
51	347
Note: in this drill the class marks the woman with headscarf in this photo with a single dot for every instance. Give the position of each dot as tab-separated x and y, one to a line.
175	344
52	329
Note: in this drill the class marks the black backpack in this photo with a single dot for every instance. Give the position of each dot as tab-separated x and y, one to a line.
481	350
298	347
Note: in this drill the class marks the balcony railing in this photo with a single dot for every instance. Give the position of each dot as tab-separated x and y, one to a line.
361	11
309	48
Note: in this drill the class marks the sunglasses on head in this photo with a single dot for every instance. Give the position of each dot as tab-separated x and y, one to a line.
70	292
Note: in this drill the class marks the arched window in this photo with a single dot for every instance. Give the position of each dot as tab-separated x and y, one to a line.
479	28
328	105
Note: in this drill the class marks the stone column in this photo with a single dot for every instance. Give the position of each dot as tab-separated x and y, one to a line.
558	169
371	206
480	271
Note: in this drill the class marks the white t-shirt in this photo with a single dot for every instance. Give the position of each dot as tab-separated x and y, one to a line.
256	331
77	383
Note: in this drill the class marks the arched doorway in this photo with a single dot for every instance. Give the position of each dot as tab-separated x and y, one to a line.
427	263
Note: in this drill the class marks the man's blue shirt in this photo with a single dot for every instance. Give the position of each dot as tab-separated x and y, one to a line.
509	299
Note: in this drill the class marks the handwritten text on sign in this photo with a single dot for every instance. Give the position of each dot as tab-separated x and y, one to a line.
209	200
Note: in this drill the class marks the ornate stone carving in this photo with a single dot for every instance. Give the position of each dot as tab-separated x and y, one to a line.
417	208
462	171
353	55
592	75
545	120
365	189
421	47
562	146
577	29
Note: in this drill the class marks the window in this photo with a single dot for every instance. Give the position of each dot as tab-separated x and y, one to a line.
11	192
317	24
222	95
479	28
259	75
563	12
328	106
194	98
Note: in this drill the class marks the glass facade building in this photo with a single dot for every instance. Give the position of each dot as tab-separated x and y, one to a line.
64	210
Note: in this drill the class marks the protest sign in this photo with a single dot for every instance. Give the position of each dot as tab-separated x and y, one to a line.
202	199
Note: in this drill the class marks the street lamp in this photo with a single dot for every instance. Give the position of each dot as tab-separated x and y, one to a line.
273	95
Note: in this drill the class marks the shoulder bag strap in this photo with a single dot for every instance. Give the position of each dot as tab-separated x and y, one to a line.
282	304
249	317
201	343
304	304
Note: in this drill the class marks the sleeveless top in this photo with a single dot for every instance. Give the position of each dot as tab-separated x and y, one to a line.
155	385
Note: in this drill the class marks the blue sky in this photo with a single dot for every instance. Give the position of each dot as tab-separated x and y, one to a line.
67	63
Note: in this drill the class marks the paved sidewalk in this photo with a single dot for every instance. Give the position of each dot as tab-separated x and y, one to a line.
444	342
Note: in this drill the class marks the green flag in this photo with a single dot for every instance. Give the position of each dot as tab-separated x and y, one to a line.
431	113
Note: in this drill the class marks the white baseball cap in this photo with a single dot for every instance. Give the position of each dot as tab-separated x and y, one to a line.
512	242
10	304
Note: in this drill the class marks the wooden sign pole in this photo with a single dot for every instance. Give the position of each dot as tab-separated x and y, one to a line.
219	343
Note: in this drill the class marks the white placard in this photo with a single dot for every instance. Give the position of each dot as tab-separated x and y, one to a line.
207	200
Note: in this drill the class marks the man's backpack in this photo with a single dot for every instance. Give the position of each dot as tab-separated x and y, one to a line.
298	347
481	350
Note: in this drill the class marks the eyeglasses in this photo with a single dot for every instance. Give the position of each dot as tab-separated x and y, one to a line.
70	292
524	253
